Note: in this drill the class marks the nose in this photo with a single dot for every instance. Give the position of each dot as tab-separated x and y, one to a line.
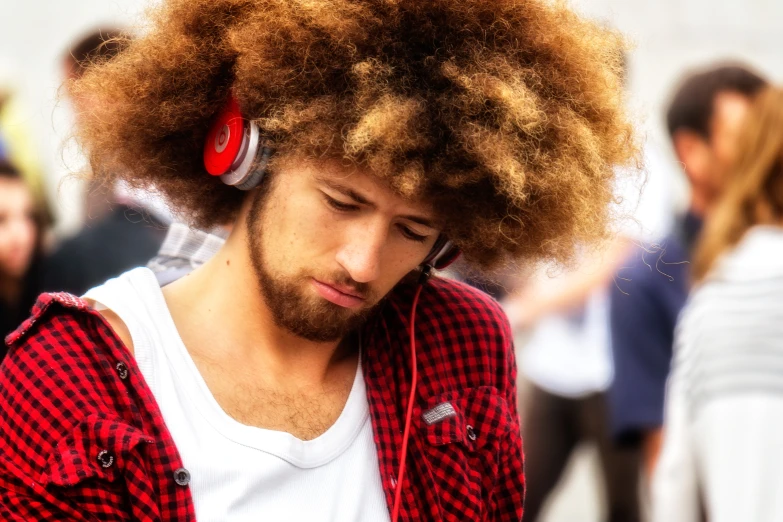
360	255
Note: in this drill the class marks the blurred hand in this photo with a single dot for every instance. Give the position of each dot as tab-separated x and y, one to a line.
522	311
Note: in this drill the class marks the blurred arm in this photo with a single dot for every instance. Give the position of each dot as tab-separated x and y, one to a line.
652	441
548	295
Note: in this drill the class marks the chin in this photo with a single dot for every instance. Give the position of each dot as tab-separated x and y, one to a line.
15	271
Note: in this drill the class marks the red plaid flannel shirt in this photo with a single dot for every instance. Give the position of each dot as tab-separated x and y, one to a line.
83	438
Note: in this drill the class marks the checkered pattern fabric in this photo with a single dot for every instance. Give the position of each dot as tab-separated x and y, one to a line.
82	438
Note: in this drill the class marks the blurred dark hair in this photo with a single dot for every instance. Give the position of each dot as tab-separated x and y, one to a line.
97	46
8	171
693	102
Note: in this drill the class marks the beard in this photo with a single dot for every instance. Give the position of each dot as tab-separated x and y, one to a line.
289	298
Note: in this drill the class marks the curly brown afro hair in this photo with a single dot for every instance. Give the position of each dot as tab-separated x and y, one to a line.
507	115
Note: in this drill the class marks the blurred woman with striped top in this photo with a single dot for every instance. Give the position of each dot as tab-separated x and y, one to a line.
723	434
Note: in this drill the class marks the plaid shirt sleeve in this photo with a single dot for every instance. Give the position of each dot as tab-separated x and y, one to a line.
81	436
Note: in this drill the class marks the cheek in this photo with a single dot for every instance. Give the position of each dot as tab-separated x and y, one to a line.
316	229
31	236
396	268
294	234
16	247
726	154
20	237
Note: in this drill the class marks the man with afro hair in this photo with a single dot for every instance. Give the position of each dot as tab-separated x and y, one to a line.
312	369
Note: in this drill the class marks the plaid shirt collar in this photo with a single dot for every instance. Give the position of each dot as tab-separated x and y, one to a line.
82	438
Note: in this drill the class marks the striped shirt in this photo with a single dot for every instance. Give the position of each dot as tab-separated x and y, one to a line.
723	436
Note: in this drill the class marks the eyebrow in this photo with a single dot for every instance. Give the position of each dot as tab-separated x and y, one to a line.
358	198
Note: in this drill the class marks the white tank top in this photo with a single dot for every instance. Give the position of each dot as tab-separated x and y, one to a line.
238	472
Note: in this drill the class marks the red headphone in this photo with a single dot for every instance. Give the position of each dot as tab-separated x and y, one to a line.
233	151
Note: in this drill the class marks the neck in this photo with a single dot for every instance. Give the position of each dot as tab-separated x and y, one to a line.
221	315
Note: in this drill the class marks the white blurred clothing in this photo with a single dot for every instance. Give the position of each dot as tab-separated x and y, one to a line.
723	423
568	355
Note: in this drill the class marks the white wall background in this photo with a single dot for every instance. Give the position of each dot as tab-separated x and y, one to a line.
33	37
670	36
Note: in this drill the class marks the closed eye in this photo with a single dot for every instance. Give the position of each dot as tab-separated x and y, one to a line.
339	205
413	236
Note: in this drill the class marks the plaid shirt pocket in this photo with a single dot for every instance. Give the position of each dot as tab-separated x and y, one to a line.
464	448
100	468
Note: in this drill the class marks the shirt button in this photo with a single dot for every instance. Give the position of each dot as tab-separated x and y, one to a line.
182	477
471	432
122	370
105	458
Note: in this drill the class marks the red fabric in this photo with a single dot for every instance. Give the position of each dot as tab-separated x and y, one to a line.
80	442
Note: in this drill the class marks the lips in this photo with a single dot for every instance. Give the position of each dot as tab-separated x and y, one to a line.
339	295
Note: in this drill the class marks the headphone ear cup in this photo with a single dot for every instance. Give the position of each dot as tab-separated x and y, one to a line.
254	173
233	150
224	140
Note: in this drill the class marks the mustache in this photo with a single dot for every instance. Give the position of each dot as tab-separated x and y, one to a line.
345	282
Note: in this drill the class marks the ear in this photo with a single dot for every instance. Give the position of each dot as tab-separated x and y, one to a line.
693	152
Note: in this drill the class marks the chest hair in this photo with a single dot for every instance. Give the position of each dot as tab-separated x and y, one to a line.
304	412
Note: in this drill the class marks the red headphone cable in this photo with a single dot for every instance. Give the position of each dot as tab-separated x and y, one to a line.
425	274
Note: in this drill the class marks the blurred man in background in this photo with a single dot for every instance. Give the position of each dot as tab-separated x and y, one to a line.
703	119
124	228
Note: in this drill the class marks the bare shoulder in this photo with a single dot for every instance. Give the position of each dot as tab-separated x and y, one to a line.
117	324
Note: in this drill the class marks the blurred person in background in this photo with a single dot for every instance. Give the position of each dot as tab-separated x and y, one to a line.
724	400
124	228
21	233
566	359
704	118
